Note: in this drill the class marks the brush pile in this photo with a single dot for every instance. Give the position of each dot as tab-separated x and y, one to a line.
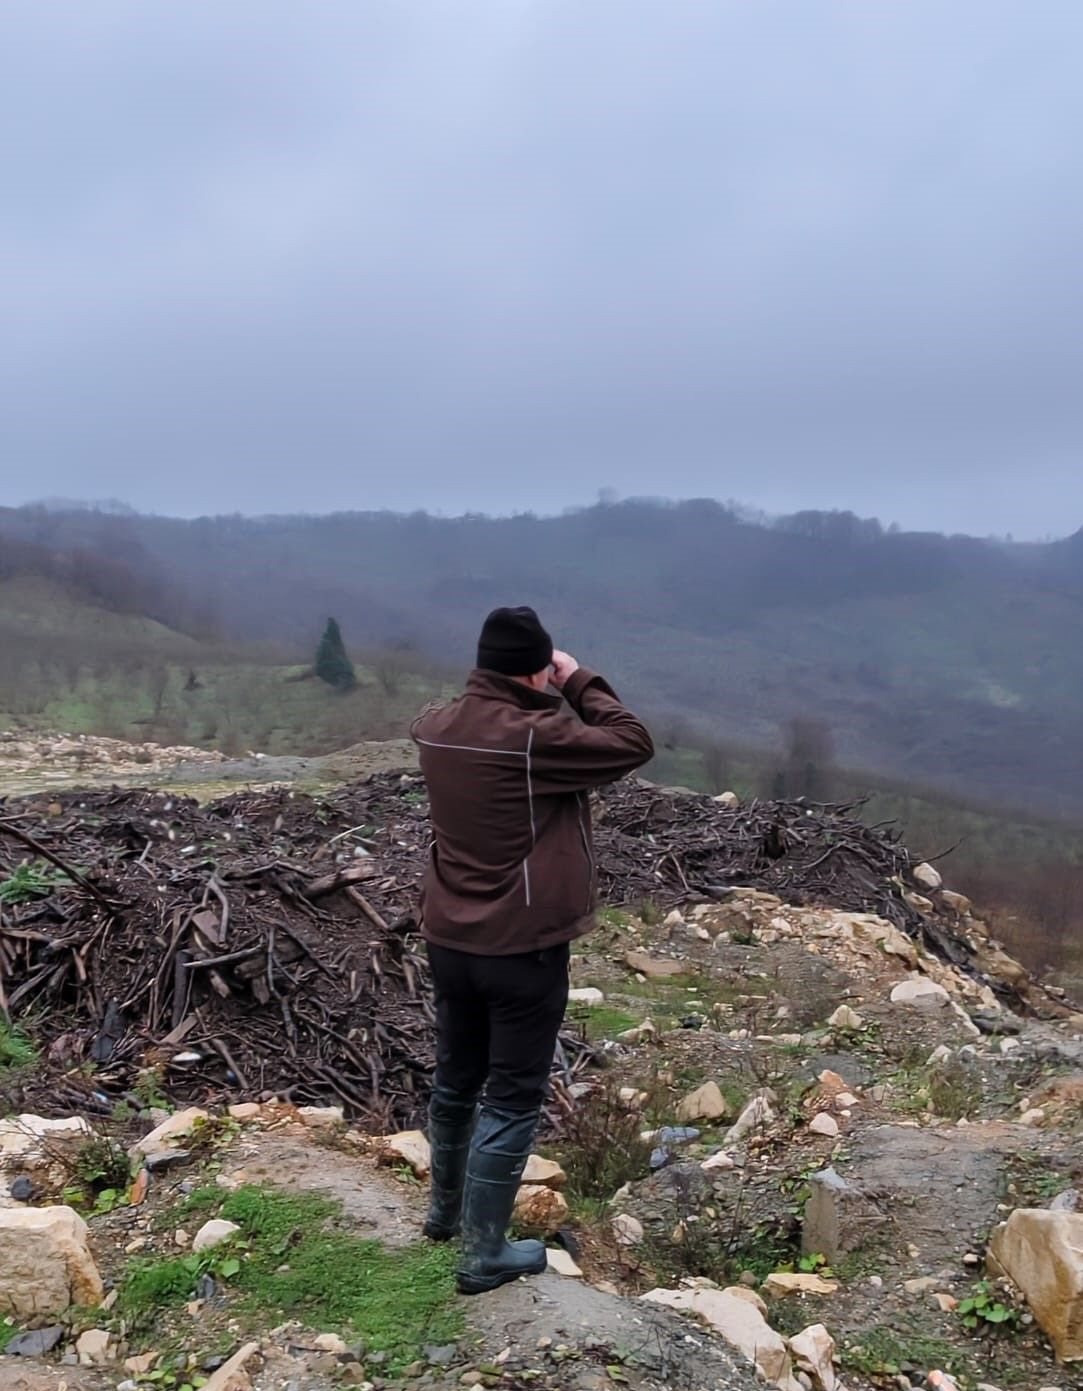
266	944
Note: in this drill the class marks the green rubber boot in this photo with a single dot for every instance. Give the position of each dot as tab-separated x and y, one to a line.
451	1123
498	1156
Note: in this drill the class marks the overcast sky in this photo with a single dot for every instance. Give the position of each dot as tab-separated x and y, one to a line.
500	254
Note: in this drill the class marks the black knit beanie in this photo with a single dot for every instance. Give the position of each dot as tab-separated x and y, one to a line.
514	643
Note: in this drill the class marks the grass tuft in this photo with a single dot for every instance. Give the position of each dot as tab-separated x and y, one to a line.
16	1051
292	1259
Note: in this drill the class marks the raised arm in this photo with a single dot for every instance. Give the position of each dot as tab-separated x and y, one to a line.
601	742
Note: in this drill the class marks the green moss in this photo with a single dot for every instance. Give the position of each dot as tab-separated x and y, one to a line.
293	1259
602	1021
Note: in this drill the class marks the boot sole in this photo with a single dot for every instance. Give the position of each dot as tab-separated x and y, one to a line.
483	1284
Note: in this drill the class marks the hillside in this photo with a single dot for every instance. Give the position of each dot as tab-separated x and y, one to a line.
70	664
948	661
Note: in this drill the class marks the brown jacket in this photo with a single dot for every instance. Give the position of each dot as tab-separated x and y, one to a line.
509	772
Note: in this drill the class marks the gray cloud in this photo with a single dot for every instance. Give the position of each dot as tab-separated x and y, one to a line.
422	254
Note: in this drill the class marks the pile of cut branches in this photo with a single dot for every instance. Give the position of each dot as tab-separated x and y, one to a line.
266	944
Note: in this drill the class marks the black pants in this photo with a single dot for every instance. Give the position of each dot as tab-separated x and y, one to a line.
497	1020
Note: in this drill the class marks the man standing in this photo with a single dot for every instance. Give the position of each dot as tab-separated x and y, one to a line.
509	766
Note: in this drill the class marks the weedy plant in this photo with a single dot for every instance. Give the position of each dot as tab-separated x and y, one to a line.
29	880
16	1050
984	1307
602	1149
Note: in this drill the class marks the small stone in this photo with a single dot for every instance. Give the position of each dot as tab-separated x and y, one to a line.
927	877
586	995
137	1243
330	1342
628	1230
946	1303
846	1018
539	1209
826	1125
321	1117
471	1378
814	1352
545	1172
92	1347
442	1355
160	1160
560	1263
245	1112
142	1364
876	1281
213	1233
972	1258
1034	1118
175	1127
182	1238
720	1160
656	968
757	1115
940	1054
784	1282
22	1189
909	991
922	1285
36	1343
232	1375
410	1147
355	1375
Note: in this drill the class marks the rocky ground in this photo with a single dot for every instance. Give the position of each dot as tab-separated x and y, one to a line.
810	1142
35	763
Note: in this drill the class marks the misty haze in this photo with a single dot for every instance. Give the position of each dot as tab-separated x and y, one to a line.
740	343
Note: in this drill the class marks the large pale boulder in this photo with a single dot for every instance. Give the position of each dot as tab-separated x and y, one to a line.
1042	1253
24	1135
706	1103
741	1324
39	1150
45	1264
539	1209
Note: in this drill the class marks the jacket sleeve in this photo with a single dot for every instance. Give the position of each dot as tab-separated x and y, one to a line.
606	741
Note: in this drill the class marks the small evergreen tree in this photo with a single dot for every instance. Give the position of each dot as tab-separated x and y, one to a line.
332	663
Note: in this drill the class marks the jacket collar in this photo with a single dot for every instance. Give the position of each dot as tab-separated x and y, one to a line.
492	685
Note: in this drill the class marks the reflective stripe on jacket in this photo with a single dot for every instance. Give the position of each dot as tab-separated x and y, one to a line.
509	772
